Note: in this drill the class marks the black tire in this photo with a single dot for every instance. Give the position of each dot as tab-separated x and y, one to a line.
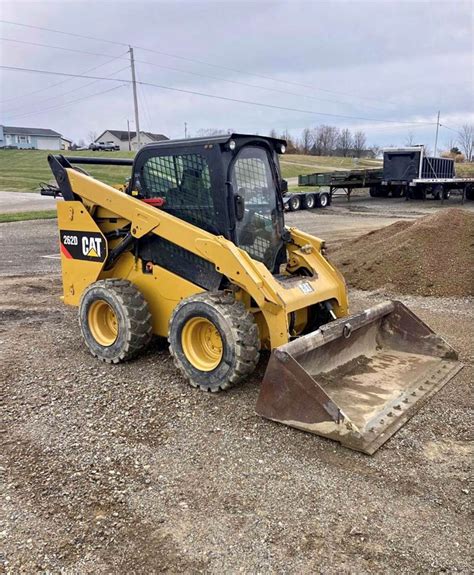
396	192
323	200
374	191
238	335
309	201
132	320
469	193
294	203
436	192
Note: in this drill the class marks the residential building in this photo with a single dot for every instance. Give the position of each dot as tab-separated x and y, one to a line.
30	138
65	143
121	138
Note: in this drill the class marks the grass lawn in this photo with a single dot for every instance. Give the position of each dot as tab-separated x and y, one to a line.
22	216
23	170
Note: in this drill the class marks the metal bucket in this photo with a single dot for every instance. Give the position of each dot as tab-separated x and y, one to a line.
358	379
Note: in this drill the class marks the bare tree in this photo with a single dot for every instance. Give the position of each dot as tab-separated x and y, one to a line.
92	135
410	139
359	143
325	140
291	145
466	141
273	133
376	150
345	142
306	141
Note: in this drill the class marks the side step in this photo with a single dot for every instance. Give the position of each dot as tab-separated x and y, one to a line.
358	379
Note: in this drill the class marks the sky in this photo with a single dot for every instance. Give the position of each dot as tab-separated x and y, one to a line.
385	67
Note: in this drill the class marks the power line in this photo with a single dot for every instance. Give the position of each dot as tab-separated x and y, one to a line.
55	47
238	82
62	81
69	91
69	103
224	98
448	128
197	74
62	32
193	60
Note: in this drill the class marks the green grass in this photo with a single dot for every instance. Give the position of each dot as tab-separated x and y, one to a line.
22	216
23	170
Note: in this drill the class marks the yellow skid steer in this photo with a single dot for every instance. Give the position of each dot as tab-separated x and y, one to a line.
195	249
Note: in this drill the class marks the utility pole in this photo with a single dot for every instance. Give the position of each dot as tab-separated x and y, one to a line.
436	139
129	140
135	97
185	130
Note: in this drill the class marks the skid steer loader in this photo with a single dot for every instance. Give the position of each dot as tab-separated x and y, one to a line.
195	249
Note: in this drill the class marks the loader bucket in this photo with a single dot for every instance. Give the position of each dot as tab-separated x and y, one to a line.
358	379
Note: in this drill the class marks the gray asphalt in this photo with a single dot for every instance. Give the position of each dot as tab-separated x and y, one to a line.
25	202
28	248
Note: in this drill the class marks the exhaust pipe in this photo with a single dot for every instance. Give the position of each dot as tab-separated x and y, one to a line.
358	379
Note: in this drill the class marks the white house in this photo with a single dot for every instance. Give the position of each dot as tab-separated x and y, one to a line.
121	138
30	138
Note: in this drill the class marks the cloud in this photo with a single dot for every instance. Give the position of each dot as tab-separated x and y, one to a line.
388	61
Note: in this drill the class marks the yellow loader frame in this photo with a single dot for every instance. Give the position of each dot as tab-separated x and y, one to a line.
104	209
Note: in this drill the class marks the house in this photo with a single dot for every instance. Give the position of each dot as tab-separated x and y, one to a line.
30	138
65	143
120	138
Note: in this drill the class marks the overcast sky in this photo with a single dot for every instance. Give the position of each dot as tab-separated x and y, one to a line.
394	61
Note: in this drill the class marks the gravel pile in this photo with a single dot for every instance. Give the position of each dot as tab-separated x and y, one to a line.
431	256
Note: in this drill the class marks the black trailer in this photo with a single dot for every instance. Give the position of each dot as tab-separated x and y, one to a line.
343	181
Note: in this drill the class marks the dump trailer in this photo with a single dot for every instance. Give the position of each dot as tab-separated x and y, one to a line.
195	249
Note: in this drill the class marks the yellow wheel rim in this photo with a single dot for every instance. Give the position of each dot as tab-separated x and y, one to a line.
202	344
103	323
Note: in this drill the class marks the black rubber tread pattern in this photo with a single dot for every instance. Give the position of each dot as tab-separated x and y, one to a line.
243	337
135	321
319	201
309	201
291	201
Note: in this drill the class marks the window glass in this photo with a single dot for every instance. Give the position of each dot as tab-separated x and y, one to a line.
184	182
259	231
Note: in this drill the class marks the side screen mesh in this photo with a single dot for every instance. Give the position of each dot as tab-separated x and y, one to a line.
183	181
252	180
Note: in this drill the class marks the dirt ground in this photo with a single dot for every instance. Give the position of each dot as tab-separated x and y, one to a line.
126	469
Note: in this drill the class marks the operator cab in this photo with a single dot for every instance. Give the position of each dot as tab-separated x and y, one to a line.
227	185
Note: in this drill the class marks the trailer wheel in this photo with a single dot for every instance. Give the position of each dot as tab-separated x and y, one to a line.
323	200
469	193
396	192
294	203
309	201
115	320
214	340
436	192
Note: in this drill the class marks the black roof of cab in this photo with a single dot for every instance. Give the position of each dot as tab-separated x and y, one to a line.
221	139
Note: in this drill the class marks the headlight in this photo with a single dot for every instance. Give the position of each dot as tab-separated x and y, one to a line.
231	145
282	148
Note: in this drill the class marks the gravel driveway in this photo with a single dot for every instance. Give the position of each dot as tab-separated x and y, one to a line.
126	469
